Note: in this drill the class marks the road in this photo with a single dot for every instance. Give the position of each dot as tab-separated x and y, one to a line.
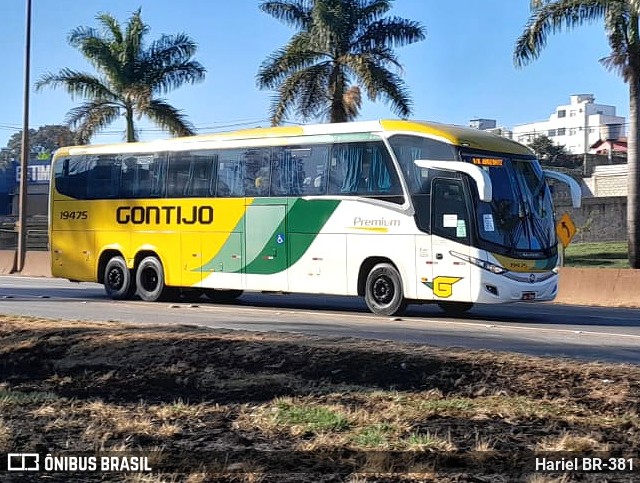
589	333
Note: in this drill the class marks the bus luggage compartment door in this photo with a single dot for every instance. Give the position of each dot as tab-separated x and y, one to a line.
266	243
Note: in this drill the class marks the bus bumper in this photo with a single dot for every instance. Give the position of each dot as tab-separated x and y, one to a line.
500	289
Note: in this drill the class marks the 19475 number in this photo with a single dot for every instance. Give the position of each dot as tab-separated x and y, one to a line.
73	215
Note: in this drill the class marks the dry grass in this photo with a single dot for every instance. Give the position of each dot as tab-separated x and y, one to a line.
394	408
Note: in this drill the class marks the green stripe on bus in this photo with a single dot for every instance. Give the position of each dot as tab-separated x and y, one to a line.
306	217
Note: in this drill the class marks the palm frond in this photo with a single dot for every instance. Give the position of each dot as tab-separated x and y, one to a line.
133	38
78	84
352	102
380	83
295	93
373	10
169	118
297	55
96	49
296	13
91	117
111	26
167	64
552	17
394	32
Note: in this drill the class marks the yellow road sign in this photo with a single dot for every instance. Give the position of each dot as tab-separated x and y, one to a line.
565	230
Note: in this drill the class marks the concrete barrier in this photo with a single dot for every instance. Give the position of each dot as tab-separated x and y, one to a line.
7	261
37	264
599	286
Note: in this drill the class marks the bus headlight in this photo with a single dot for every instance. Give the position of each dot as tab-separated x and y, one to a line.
491	267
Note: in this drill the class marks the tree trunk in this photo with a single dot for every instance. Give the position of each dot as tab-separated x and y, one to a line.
633	177
131	131
336	92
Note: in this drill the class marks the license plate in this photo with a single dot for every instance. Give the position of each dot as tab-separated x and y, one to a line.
528	295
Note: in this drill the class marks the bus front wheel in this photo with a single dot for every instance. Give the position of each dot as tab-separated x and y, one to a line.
150	280
383	290
118	282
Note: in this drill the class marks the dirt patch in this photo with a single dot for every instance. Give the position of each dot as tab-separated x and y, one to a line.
213	405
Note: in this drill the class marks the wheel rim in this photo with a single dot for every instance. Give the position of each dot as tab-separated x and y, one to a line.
383	290
149	279
115	279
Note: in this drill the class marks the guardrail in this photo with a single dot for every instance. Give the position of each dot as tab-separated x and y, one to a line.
37	233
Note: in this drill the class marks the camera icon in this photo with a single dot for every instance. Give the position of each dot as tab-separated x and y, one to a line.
23	462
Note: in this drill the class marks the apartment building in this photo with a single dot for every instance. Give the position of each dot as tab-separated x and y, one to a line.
577	125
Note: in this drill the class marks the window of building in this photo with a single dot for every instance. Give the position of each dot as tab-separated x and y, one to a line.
551	132
572	113
561	131
562	113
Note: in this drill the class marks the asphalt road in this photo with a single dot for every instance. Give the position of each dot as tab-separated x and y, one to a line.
589	333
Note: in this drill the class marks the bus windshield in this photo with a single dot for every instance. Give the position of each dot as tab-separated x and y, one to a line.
520	215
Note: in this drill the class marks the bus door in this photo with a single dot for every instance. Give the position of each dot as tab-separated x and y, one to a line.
451	280
267	257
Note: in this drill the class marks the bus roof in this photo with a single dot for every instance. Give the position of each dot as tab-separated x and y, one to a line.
457	135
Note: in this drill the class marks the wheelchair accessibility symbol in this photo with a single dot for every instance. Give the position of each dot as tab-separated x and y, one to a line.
279	238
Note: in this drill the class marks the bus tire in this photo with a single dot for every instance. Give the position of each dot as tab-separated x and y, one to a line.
455	308
383	290
118	281
150	280
216	295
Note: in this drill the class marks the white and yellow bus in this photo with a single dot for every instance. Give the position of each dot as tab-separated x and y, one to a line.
395	211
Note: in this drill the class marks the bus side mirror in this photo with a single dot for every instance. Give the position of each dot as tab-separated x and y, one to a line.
574	187
479	175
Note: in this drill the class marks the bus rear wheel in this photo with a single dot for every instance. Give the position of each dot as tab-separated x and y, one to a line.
118	282
383	290
150	280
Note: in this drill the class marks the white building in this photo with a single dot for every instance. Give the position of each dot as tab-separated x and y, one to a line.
577	126
490	125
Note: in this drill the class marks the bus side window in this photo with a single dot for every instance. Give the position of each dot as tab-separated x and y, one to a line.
311	169
299	170
104	178
363	169
178	174
201	171
76	176
345	169
257	172
231	169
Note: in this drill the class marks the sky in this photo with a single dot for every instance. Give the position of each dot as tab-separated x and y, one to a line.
463	70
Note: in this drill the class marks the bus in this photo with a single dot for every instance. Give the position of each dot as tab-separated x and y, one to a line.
394	211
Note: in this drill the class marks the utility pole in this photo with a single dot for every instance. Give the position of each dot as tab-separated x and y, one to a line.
24	160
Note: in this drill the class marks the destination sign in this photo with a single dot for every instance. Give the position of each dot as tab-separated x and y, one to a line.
487	161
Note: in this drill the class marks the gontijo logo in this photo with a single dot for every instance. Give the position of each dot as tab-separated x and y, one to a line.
155	215
442	286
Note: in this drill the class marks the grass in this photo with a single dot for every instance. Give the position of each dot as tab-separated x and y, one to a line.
597	255
189	395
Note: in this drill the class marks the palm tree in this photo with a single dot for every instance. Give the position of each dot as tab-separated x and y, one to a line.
621	27
341	46
131	76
